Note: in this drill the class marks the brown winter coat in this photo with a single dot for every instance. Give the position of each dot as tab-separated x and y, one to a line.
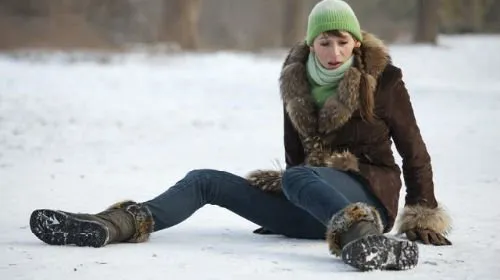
337	136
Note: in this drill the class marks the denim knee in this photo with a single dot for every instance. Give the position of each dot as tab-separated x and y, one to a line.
204	175
291	182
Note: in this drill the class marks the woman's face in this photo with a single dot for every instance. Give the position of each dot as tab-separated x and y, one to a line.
334	48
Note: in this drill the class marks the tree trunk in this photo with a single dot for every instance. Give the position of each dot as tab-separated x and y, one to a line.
188	18
295	21
427	21
474	14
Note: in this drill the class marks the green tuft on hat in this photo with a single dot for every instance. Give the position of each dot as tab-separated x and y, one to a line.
332	15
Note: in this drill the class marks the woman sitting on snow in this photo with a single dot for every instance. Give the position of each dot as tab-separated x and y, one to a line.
343	103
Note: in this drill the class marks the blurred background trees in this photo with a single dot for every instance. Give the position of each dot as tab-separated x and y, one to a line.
427	21
224	24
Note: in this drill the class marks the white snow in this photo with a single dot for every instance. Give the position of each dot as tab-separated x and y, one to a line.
79	136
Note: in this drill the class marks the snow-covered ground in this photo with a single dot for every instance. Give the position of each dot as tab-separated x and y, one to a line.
80	136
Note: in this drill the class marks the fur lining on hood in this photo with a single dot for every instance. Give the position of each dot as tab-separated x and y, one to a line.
296	92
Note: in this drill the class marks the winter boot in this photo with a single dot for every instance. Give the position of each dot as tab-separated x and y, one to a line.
122	222
356	234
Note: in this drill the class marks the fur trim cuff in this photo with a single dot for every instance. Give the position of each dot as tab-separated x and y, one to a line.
144	222
422	217
345	161
345	218
267	180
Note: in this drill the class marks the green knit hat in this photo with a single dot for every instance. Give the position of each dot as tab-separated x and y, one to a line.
332	15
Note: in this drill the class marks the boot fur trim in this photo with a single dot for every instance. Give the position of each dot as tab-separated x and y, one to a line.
144	223
345	218
421	217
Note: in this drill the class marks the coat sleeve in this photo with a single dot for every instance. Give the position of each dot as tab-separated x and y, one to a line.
417	169
421	209
294	151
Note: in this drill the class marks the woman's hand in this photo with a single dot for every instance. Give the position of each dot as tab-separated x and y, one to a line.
427	236
424	224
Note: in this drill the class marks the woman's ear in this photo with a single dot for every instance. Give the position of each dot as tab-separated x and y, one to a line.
311	49
358	44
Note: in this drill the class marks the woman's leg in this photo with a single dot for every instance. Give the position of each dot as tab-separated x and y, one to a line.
128	221
351	215
200	187
324	191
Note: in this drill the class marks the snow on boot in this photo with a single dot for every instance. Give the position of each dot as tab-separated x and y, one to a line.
356	234
122	222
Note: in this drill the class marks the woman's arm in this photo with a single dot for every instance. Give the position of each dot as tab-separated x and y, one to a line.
422	217
294	151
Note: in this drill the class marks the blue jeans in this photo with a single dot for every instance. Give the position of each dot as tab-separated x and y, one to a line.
311	195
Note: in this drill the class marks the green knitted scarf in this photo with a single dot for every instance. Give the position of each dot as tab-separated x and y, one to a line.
324	82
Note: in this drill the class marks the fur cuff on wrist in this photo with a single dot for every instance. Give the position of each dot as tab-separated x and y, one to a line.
345	161
421	217
267	180
270	180
345	218
143	219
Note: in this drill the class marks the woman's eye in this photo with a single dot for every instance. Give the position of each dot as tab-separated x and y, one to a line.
324	44
342	43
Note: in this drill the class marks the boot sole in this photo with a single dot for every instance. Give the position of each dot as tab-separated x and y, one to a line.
379	252
60	228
